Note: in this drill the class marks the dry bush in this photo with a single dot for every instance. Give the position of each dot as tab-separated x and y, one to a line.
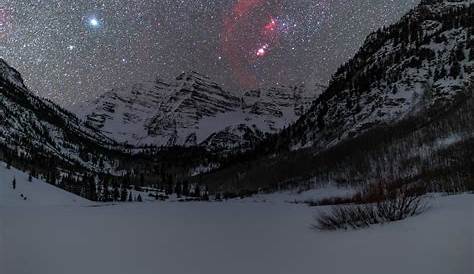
379	205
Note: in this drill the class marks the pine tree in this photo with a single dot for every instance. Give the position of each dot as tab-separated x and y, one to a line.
130	197
92	190
115	193
14	183
455	70
178	190
139	198
197	191
123	194
169	188
185	188
142	179
106	192
460	53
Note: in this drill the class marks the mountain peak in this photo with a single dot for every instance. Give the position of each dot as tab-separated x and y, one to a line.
191	109
192	75
10	75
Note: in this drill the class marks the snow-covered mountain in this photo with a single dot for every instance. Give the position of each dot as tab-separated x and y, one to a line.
386	114
193	110
420	64
34	129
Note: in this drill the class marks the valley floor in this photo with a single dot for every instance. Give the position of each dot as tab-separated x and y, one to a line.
72	236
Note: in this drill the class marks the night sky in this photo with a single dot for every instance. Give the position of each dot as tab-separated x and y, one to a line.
71	51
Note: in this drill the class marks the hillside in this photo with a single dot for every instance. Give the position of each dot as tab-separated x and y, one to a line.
420	63
34	127
32	193
39	136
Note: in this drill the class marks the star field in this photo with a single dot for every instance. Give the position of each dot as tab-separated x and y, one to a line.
72	51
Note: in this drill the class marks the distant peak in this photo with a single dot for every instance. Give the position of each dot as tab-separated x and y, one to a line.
187	76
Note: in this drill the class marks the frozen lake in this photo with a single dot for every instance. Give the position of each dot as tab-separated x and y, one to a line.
55	232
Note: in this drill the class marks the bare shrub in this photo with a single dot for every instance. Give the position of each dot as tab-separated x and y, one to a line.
380	205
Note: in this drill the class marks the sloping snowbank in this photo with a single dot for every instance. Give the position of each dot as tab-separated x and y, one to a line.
37	192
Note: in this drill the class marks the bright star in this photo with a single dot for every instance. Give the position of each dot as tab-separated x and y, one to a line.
262	51
94	22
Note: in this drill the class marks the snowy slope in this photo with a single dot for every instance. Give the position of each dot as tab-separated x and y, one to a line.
193	110
123	112
423	62
37	192
34	127
231	238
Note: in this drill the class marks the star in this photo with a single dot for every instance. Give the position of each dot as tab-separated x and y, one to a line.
262	51
94	22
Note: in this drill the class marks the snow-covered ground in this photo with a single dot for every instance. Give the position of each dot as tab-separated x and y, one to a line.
37	192
54	232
